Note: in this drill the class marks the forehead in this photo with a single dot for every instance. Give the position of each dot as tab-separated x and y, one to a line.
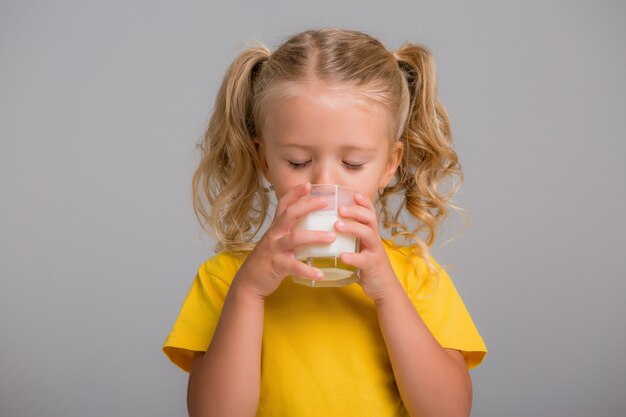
315	111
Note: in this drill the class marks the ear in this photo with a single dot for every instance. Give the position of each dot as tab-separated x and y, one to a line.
395	157
260	152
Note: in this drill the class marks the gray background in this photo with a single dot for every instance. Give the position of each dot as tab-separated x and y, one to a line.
101	104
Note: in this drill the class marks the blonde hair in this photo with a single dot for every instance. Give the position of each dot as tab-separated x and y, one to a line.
229	197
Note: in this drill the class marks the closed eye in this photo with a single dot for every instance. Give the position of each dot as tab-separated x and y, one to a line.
297	165
353	166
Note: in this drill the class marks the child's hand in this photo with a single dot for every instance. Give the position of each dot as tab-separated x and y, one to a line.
273	259
377	275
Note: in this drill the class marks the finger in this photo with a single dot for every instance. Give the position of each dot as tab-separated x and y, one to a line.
358	260
287	219
292	196
306	271
360	214
365	233
361	200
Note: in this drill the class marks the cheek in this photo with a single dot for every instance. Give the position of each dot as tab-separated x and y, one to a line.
276	172
282	186
373	197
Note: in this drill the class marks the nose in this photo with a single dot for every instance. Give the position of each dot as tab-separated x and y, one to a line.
322	174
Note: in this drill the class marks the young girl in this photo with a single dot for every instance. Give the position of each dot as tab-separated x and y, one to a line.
328	106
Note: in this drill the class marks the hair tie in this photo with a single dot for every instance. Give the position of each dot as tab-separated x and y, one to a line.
410	74
257	67
408	70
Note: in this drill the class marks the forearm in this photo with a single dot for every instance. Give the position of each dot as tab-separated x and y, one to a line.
430	381
226	380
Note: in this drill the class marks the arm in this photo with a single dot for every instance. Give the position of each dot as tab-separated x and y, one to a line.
432	381
225	381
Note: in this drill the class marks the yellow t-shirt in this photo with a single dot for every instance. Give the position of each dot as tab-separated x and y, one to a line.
323	353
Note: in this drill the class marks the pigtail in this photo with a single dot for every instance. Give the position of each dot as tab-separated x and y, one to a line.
227	189
428	157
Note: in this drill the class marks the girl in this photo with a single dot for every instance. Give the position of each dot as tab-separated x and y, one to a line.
328	106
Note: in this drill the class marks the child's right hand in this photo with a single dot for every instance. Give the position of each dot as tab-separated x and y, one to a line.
273	257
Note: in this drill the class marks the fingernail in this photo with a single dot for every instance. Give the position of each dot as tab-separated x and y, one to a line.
330	234
340	224
319	274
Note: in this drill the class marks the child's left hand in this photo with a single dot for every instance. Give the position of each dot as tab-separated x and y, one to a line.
376	274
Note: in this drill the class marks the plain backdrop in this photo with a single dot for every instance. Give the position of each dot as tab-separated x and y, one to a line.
102	103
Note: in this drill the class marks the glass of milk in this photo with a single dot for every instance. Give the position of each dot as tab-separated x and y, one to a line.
326	256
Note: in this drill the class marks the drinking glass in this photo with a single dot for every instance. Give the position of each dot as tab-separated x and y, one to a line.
326	256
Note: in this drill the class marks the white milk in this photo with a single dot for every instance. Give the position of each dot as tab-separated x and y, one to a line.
324	220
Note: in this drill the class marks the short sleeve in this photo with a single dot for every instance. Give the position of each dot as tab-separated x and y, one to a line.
442	309
198	317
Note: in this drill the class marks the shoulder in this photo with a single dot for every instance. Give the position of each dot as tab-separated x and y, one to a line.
420	274
409	257
437	301
222	266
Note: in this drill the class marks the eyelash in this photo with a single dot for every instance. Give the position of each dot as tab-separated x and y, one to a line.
354	167
298	165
